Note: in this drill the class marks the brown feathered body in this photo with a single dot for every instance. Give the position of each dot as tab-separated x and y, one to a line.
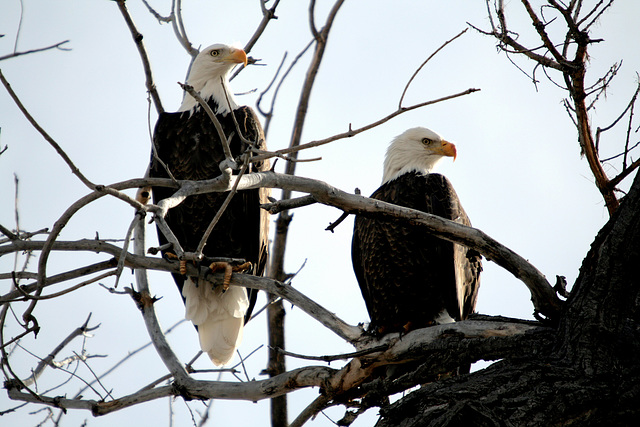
410	279
188	145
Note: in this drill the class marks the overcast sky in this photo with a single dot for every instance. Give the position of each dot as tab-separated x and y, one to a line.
518	173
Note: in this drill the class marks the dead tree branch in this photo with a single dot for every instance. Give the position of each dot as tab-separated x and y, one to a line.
42	49
333	382
543	296
146	64
571	62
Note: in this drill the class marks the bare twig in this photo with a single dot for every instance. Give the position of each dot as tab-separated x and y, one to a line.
42	49
218	215
404	92
18	295
353	132
145	302
267	15
229	161
332	382
318	404
179	30
137	38
573	71
44	134
334	357
44	363
269	114
283	205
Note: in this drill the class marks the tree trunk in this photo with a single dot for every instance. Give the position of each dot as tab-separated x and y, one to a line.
590	376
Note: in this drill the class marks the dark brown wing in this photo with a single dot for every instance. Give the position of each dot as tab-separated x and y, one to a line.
190	148
406	275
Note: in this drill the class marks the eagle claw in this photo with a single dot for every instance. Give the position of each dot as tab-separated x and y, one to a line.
228	270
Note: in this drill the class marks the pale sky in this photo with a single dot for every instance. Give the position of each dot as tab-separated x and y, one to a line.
518	173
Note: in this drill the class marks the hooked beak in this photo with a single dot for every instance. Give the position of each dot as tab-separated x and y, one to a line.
448	149
238	56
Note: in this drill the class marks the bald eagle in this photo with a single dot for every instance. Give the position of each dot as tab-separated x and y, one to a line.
410	279
187	147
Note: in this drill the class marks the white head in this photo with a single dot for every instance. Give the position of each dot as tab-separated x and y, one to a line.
417	149
209	76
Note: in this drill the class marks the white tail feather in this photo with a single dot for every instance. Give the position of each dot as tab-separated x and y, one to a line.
219	317
443	318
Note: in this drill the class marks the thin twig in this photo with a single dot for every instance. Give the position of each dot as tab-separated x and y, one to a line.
334	357
49	359
42	49
45	135
318	404
425	63
353	132
146	64
283	205
218	215
230	162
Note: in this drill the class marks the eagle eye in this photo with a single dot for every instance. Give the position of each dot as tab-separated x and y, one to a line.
215	52
427	141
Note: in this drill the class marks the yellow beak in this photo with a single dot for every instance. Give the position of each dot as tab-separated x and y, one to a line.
448	149
238	56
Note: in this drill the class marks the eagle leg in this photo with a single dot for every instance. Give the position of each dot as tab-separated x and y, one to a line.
228	270
183	264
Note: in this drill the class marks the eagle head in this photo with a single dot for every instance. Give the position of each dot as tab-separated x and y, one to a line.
415	150
209	76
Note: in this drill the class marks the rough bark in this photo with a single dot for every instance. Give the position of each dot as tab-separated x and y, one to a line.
590	375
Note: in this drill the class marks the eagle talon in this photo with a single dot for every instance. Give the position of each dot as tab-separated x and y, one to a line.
408	327
228	270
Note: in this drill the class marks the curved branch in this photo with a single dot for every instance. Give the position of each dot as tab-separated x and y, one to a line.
333	382
141	263
145	303
406	88
543	296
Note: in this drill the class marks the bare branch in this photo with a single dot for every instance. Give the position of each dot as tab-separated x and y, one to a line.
334	357
333	382
42	49
283	205
353	132
145	303
180	31
218	215
146	64
230	162
543	296
156	15
45	135
44	363
573	71
267	15
19	295
425	63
